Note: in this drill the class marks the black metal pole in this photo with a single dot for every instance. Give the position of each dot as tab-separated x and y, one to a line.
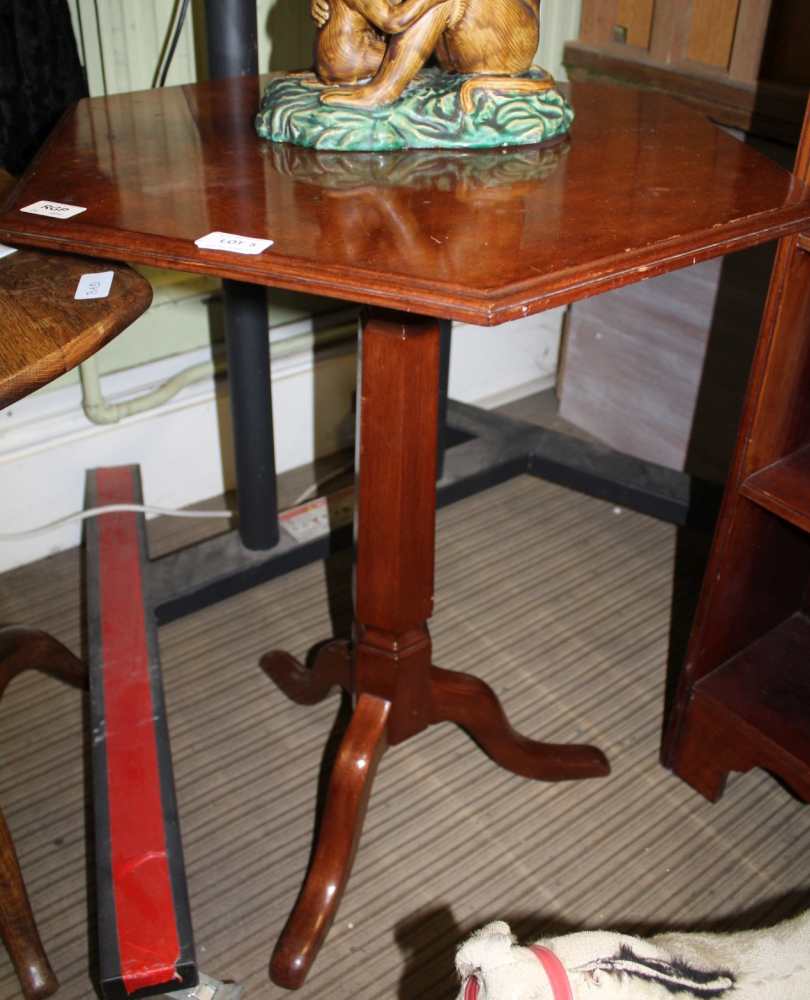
251	412
232	33
233	38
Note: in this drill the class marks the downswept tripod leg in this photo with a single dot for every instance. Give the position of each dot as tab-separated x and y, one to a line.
388	665
28	649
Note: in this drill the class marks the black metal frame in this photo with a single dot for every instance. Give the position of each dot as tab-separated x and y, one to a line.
492	449
232	42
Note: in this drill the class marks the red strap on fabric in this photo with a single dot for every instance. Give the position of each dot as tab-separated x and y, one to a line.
472	988
555	970
148	942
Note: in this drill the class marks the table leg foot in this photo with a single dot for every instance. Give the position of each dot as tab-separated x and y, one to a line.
30	649
17	927
305	686
337	839
473	705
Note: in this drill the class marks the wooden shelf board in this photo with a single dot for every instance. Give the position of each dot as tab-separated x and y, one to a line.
784	488
767	688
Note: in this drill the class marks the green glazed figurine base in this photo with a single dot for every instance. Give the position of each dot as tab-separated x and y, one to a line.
429	115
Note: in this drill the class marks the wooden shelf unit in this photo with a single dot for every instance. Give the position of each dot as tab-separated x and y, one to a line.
743	697
754	710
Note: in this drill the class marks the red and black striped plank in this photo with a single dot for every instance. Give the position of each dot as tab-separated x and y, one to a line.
144	923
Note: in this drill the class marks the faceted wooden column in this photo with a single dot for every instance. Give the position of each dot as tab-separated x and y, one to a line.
390	666
396	515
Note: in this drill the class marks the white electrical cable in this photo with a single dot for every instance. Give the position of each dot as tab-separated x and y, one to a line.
110	509
137	508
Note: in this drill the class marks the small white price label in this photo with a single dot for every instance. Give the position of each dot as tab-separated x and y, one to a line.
5	251
53	209
94	286
231	243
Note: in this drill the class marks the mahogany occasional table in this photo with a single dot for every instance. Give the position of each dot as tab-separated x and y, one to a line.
644	186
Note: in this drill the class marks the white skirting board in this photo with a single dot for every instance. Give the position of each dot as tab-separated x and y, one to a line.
184	447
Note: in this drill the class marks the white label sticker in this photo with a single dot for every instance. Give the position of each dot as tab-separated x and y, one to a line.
318	517
53	209
232	243
5	251
94	286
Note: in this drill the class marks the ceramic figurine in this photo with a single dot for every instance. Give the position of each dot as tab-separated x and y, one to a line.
371	91
492	39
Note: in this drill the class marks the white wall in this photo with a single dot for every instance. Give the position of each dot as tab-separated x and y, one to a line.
184	447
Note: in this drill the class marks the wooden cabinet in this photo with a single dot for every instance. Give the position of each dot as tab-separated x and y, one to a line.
743	698
744	62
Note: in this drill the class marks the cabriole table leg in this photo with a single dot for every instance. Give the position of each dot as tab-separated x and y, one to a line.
28	649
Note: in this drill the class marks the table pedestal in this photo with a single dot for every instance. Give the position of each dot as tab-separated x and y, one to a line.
388	666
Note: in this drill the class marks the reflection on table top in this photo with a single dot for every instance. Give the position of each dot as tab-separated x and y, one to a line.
643	185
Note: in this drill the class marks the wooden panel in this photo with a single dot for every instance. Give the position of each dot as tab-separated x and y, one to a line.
778	429
669	32
637	17
749	39
770	110
598	18
601	17
712	31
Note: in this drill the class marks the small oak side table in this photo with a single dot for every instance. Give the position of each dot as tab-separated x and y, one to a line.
45	332
643	187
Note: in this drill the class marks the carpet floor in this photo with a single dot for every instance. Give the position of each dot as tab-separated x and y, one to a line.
563	604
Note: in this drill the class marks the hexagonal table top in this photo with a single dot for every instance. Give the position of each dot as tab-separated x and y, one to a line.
642	186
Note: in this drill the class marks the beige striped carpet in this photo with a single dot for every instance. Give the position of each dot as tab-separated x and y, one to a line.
557	600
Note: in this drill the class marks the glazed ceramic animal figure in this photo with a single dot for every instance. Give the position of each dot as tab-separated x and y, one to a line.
389	43
348	47
771	964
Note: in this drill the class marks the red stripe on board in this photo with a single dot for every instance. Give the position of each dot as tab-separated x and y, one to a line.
144	907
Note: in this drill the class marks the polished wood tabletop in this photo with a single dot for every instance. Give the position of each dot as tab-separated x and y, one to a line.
643	185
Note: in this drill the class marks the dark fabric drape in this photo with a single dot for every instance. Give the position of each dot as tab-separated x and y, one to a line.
40	75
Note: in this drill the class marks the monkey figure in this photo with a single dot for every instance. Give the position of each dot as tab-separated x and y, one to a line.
374	48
